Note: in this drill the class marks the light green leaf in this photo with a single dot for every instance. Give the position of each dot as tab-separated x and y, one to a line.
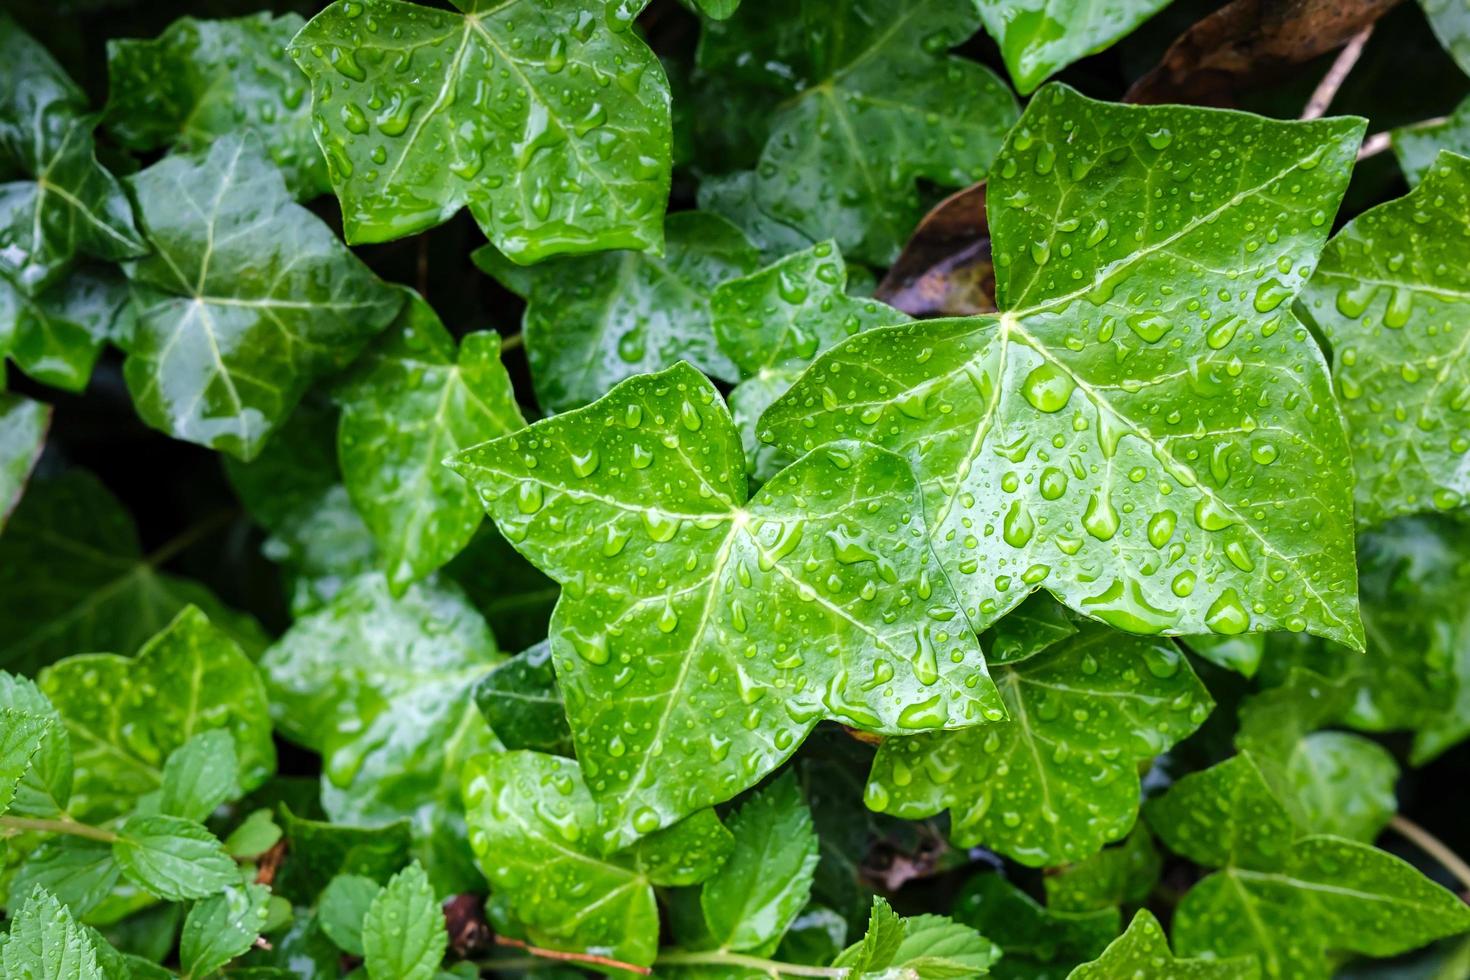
247	299
343	906
173	858
1059	778
45	941
880	943
23	425
753	899
403	935
1391	298
1451	22
59	333
1142	951
21	736
1417	146
255	835
1038	38
412	401
190	678
1241	654
865	102
934	947
748	402
549	120
78	871
538	839
1121	875
382	688
222	927
200	80
321	851
61	202
44	789
695	604
523	705
1135	445
1030	934
592	321
199	775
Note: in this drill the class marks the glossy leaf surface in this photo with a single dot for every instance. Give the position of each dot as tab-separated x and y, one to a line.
1417	146
23	425
1035	939
839	621
173	858
505	108
1142	951
523	705
1136	448
221	928
1037	38
403	932
1451	23
46	942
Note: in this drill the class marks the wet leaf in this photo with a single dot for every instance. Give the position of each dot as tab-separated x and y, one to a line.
1037	38
1451	23
506	109
523	705
23	425
47	943
652	478
222	927
1031	935
173	858
1176	426
199	775
58	334
1417	146
403	934
1142	951
318	851
1121	875
343	906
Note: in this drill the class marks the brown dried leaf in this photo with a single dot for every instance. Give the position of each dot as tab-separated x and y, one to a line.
1247	43
945	268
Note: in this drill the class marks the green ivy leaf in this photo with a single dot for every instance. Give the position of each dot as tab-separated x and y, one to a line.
506	109
173	858
201	80
1241	654
1121	875
1451	23
1149	424
592	321
188	679
403	935
222	927
343	906
246	300
23	425
199	776
539	840
1285	898
1059	778
56	200
754	897
413	400
1417	146
864	102
1388	297
797	571
1038	38
1142	951
1036	940
523	705
58	334
382	688
321	851
1036	625
732	196
45	941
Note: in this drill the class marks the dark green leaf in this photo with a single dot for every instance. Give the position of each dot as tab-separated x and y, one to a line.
1038	38
1169	496
1034	626
1417	146
1121	875
319	851
172	857
507	109
733	197
403	934
201	80
1143	952
798	572
343	906
1241	654
1030	933
222	927
247	299
199	775
1451	23
78	871
515	597
23	425
45	941
522	703
59	333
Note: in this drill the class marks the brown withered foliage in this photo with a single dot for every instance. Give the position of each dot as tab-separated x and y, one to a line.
945	269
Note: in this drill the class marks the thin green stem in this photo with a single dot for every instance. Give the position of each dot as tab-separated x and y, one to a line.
512	342
717	957
62	825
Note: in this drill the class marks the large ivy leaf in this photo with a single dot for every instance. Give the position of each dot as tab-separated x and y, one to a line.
1145	430
56	200
550	121
1037	941
594	320
864	102
701	635
73	577
245	301
412	401
1390	296
1451	22
1121	875
1059	778
522	703
189	678
59	333
539	840
23	425
1417	146
203	79
1284	898
1037	38
1142	951
382	688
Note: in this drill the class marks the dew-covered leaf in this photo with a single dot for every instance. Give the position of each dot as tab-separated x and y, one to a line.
1059	777
403	934
173	858
44	789
700	634
45	941
1038	38
1393	299
1417	146
342	908
319	851
864	102
246	300
732	196
592	321
21	736
200	80
79	871
222	927
1034	938
1142	951
410	402
1120	875
1163	457
58	334
550	121
199	775
382	687
23	425
523	705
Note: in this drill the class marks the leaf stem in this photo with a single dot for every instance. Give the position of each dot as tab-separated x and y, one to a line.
716	957
1378	142
63	825
557	954
1433	846
512	342
1327	89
